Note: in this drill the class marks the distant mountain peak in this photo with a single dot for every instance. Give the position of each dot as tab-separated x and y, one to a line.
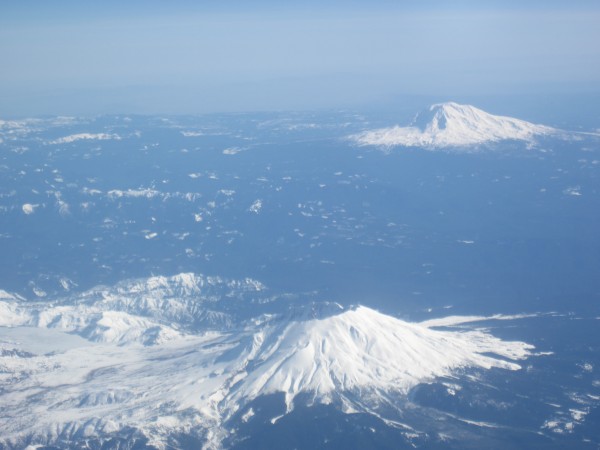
440	115
454	125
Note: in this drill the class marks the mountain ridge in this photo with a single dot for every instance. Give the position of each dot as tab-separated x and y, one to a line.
161	376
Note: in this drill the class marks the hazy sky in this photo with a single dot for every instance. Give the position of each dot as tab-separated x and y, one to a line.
80	57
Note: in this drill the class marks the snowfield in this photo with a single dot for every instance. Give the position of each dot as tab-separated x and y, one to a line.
165	355
85	136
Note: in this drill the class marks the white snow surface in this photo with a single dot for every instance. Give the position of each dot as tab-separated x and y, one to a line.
28	208
148	360
453	125
85	136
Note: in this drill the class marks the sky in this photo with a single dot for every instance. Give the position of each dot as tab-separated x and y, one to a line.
85	57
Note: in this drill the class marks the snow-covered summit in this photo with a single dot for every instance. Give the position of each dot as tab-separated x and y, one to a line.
81	360
453	125
361	350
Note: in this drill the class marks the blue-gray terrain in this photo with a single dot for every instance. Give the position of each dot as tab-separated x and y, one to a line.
299	280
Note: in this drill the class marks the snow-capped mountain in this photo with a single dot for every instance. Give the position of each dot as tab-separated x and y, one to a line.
453	125
148	311
133	358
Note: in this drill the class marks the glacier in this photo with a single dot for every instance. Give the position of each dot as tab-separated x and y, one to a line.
451	125
180	355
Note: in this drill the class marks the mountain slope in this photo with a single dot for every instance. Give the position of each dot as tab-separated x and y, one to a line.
148	311
57	387
453	125
361	349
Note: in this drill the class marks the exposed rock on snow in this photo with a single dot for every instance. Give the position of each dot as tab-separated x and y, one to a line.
190	377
